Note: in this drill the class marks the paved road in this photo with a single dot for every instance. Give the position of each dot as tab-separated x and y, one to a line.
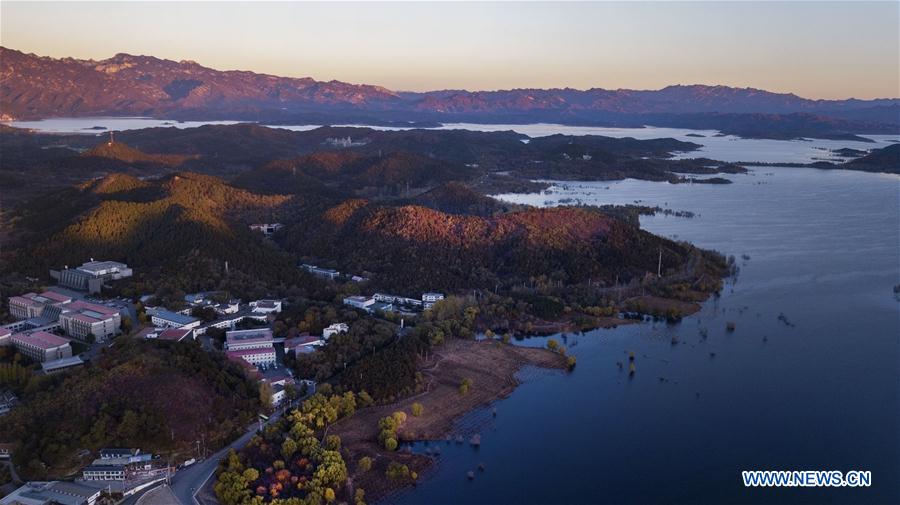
188	481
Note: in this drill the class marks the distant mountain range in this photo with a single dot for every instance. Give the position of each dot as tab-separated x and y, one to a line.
36	87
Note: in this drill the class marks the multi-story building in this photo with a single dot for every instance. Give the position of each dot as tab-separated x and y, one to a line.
5	334
259	338
167	319
321	272
31	305
80	319
398	300
42	346
91	275
257	357
254	346
103	472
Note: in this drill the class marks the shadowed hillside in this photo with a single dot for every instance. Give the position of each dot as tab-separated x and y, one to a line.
159	397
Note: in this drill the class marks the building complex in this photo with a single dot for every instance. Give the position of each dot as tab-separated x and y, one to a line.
91	276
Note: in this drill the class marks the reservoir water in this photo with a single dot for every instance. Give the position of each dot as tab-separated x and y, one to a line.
809	379
724	148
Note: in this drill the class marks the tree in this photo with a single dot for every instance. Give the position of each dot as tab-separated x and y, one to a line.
251	474
265	395
397	471
553	345
365	400
333	443
390	444
464	386
329	495
365	463
417	409
126	325
288	448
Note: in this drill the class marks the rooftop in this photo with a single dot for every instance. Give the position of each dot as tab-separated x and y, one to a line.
88	308
301	340
174	334
94	267
175	317
58	364
247	336
62	493
41	339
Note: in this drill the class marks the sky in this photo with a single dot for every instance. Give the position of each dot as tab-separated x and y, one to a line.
814	49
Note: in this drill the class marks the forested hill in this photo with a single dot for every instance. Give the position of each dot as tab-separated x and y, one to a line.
180	230
136	394
412	249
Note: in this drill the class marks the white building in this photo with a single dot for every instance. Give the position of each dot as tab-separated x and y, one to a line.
254	346
91	275
53	492
398	300
328	273
429	299
359	302
266	306
167	319
335	329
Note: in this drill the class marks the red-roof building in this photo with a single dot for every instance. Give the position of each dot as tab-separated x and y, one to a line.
42	346
80	319
32	305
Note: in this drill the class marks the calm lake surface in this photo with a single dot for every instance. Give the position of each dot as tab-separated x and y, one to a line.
818	393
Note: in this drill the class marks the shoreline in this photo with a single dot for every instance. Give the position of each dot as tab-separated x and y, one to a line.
490	365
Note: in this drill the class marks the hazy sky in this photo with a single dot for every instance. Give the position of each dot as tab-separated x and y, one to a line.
814	49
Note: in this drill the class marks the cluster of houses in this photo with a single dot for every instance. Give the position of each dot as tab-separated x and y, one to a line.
125	471
381	302
228	315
